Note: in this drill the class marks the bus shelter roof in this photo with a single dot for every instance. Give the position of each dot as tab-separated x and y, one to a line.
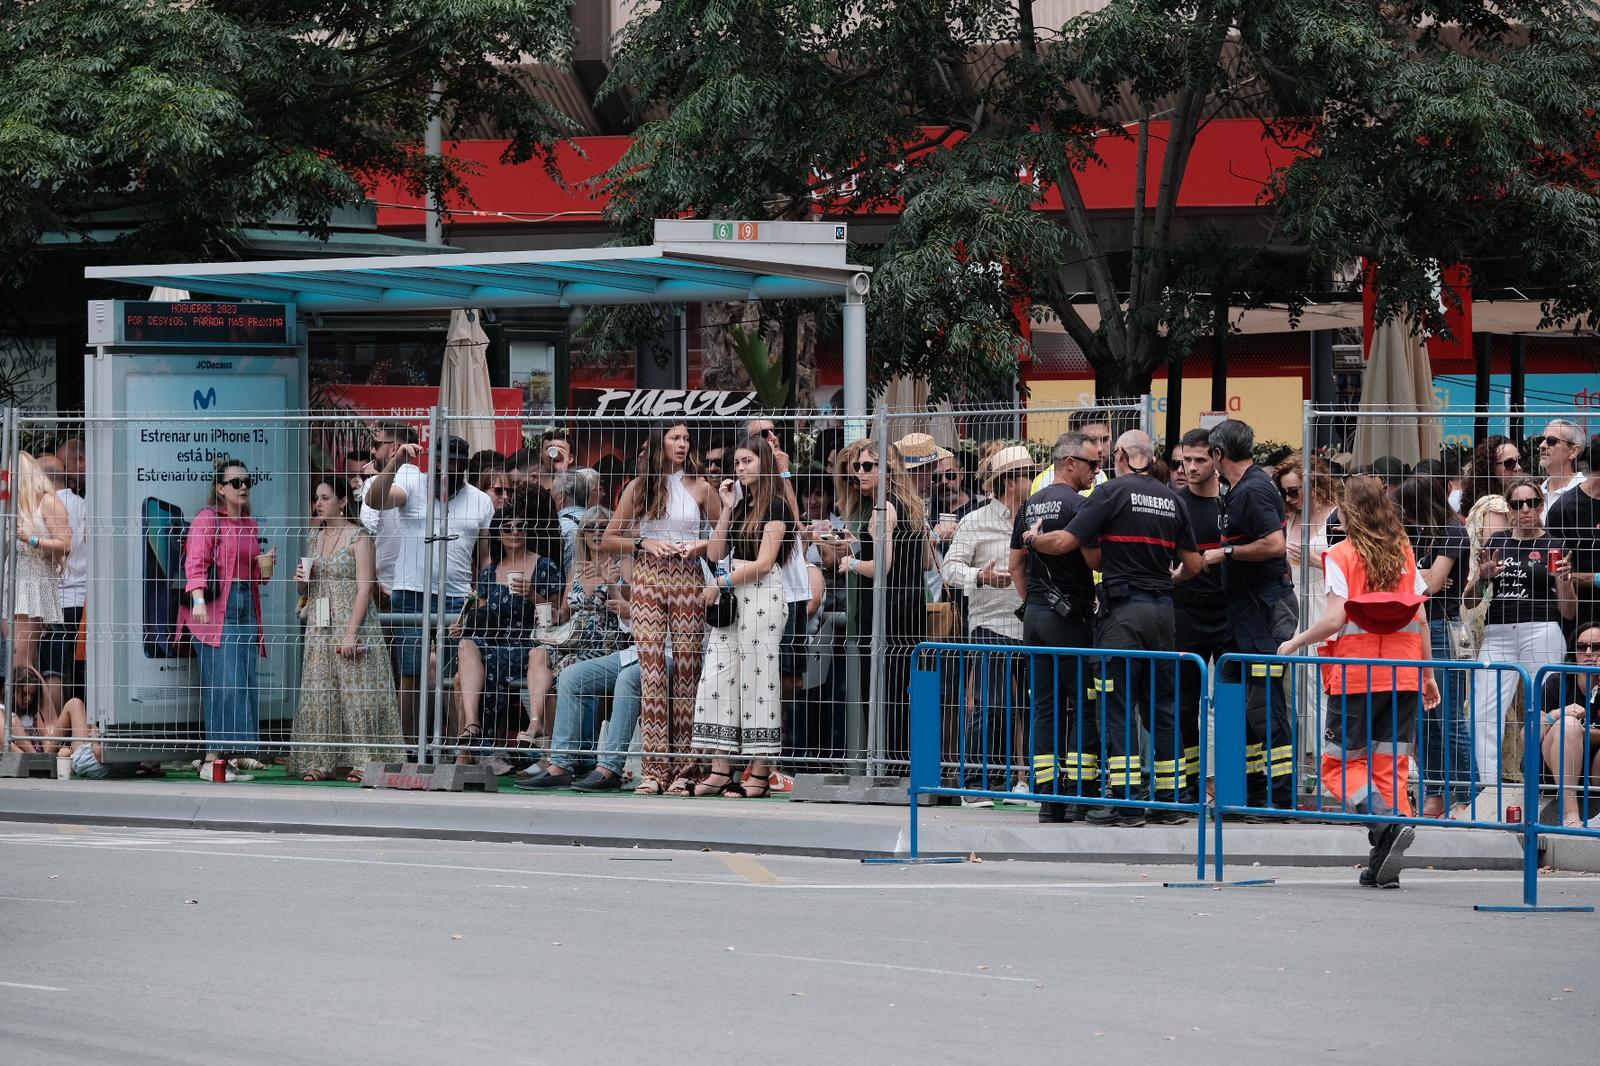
690	261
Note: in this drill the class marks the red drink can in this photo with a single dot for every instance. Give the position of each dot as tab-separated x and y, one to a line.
219	770
1513	814
1555	559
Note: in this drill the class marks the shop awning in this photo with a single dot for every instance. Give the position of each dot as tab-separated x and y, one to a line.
690	262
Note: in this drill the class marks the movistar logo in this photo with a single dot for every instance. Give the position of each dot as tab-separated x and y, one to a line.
203	400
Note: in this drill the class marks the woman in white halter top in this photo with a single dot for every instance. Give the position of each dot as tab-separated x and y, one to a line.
659	520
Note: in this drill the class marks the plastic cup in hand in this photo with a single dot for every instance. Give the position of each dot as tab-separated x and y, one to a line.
306	563
514	581
266	562
544	615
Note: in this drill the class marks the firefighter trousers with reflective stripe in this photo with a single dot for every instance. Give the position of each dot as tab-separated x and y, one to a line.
1257	624
1204	635
1066	727
1129	685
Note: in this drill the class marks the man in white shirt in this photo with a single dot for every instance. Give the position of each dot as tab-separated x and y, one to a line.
1559	449
979	561
403	496
58	662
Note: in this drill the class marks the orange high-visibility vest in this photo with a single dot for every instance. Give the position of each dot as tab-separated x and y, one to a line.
1378	625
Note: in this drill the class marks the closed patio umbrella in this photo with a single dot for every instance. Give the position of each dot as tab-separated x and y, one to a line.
464	385
1399	377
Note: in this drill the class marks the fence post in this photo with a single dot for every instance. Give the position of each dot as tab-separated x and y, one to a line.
439	550
8	514
424	703
876	720
925	731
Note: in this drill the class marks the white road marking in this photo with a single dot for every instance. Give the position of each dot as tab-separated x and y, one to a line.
36	988
37	899
887	966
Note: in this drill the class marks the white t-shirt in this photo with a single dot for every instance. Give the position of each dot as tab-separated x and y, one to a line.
466	519
1335	582
74	582
393	526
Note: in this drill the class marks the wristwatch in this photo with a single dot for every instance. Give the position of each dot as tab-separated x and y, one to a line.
638	543
1227	551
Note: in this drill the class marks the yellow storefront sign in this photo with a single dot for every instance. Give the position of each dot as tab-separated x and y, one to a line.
1272	405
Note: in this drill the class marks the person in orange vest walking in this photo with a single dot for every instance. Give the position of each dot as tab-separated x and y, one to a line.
1375	595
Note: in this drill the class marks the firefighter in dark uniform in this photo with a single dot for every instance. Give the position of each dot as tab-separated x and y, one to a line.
1262	612
1142	530
1201	612
1058	612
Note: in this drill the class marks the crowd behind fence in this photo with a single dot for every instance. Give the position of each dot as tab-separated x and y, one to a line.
710	604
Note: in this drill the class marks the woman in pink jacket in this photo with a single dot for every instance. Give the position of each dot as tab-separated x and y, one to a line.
223	548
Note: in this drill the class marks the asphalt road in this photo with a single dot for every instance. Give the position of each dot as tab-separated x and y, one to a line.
146	946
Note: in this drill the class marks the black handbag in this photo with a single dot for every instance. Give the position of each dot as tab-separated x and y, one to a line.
723	613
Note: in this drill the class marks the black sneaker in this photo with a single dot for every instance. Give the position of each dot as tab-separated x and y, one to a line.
1060	812
598	781
1165	817
1388	856
1124	816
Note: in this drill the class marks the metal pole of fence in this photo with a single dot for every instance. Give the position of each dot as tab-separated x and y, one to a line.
8	568
876	718
424	707
439	548
1530	794
1307	439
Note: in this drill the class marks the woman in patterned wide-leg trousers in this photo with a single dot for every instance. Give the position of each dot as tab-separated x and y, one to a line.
666	601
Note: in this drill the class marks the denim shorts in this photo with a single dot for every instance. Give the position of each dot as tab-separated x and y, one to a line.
406	637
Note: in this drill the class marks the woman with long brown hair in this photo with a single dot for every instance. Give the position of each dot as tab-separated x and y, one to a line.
898	541
740	707
658	519
1374	611
229	637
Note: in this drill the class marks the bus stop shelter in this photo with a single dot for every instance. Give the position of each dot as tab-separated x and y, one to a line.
689	261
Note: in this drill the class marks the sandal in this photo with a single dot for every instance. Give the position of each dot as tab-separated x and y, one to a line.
313	775
706	787
252	765
649	786
471	733
681	786
354	776
750	791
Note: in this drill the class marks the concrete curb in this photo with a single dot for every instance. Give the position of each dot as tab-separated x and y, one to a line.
829	830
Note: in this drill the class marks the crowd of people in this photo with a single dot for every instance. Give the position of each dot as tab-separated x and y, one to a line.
714	610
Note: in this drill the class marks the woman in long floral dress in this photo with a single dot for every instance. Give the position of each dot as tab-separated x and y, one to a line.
347	692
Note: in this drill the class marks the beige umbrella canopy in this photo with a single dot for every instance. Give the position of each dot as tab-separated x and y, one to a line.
464	385
1398	378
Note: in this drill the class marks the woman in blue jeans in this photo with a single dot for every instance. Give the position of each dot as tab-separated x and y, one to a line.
1442	548
228	635
580	694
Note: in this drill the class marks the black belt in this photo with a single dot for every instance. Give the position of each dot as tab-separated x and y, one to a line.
1139	596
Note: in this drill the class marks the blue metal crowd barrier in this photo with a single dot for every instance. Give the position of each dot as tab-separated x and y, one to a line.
968	700
1002	680
1560	686
1229	697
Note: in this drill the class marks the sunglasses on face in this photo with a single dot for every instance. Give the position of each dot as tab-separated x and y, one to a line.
237	482
1290	490
513	527
1092	464
1551	442
1584	647
1524	503
1512	463
500	490
950	475
865	467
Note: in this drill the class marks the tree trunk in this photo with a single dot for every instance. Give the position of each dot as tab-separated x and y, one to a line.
719	366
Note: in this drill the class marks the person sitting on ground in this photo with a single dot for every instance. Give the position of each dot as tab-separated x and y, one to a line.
1569	731
81	741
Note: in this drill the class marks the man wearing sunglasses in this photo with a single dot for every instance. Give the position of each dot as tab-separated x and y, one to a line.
1057	591
1146	544
1574	519
1559	450
1262	612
